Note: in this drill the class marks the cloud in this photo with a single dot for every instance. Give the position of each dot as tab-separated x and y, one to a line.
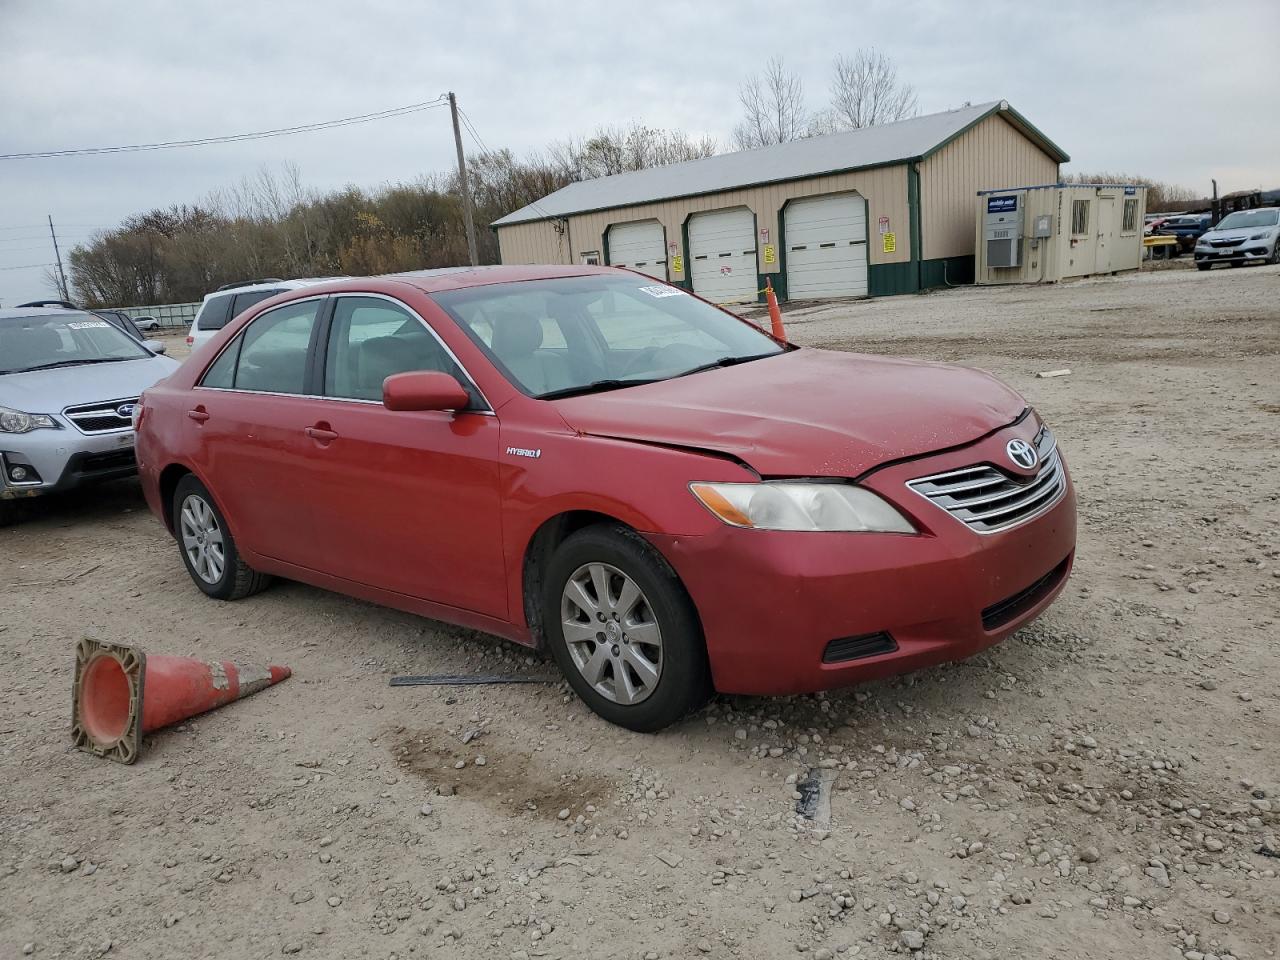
1119	86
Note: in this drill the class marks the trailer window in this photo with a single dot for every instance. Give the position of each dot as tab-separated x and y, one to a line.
1079	218
1129	223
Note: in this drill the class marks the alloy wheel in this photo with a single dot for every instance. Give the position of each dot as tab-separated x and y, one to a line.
611	633
202	539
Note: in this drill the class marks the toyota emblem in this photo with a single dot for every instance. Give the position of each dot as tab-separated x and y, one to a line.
1022	453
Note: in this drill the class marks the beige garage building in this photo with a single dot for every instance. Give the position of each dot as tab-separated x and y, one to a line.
883	210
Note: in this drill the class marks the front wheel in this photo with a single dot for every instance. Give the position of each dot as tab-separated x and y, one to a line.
8	513
623	630
208	549
1204	266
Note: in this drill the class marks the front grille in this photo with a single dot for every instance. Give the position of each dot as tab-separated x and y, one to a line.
1228	243
856	648
1010	608
987	499
101	417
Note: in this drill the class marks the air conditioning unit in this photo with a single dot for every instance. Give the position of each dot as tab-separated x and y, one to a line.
1004	252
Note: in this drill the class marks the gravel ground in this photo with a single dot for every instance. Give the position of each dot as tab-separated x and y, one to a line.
1103	784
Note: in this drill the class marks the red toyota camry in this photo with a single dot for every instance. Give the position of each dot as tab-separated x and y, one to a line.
586	459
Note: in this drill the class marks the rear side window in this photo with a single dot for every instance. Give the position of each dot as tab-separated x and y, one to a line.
215	313
243	301
270	356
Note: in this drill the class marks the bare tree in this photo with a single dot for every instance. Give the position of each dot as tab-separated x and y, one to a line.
865	91
773	107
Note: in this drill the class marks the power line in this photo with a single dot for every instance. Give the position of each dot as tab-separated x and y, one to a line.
28	266
233	138
483	146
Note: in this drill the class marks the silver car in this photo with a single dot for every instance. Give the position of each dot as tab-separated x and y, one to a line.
68	383
1245	236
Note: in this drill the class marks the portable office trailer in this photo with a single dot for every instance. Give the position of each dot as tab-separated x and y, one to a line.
1057	231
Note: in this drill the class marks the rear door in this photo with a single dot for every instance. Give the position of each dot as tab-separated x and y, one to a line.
251	409
405	501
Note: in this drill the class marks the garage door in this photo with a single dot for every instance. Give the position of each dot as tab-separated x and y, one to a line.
722	255
826	247
641	246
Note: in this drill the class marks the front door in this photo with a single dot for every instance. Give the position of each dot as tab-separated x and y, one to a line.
406	501
1105	228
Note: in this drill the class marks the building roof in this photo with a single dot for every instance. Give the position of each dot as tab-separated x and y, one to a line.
887	144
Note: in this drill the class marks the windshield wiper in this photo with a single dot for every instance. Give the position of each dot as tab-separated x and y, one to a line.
70	363
595	386
727	362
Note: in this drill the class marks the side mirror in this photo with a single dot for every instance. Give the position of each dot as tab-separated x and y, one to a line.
155	346
423	390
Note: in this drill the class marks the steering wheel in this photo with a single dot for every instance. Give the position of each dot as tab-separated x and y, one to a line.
640	360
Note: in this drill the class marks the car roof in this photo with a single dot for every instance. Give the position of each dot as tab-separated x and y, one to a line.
457	278
271	285
36	313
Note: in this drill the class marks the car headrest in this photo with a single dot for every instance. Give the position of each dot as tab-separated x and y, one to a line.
516	335
27	346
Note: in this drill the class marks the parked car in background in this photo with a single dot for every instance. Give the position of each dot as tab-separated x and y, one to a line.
232	299
1186	228
591	461
68	383
146	323
1246	236
124	323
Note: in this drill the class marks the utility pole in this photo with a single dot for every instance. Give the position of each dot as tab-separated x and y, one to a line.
462	178
58	254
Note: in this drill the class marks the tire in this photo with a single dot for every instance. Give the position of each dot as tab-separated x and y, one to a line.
8	513
1236	263
1204	266
200	529
1274	259
623	688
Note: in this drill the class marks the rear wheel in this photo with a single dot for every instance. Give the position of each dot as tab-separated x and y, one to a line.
208	549
623	630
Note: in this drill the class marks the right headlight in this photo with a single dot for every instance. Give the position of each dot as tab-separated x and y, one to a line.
801	505
16	421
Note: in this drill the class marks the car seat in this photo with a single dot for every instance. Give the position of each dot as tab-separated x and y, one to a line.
517	342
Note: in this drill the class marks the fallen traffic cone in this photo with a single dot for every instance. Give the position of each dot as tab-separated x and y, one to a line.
120	694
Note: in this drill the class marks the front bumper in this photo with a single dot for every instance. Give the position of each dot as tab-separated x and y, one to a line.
774	604
63	460
1242	254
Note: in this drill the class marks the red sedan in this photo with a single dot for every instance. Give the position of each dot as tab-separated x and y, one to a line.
587	460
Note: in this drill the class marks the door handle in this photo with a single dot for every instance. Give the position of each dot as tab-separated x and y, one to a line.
321	434
199	415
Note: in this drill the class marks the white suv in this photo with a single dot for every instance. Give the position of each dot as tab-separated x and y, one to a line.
232	299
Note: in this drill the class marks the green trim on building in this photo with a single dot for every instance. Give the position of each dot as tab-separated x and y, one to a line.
913	214
687	272
1030	131
604	246
888	279
946	272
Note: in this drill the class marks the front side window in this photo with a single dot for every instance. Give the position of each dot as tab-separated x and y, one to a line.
371	339
1129	223
1079	218
68	340
572	335
270	355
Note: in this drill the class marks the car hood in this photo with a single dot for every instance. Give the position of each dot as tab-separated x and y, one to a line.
1239	233
50	391
810	412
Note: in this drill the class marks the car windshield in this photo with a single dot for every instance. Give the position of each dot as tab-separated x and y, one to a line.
1249	218
69	339
572	335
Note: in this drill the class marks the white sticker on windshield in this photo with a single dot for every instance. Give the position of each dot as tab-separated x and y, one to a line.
87	324
662	290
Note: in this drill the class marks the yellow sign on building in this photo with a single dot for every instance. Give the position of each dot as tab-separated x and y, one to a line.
770	253
890	242
677	264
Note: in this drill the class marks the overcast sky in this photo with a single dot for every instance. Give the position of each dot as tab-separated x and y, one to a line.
1178	91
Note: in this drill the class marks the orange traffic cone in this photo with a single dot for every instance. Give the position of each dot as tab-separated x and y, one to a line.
775	315
120	694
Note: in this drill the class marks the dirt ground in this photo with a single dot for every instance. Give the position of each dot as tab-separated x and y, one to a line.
1103	784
